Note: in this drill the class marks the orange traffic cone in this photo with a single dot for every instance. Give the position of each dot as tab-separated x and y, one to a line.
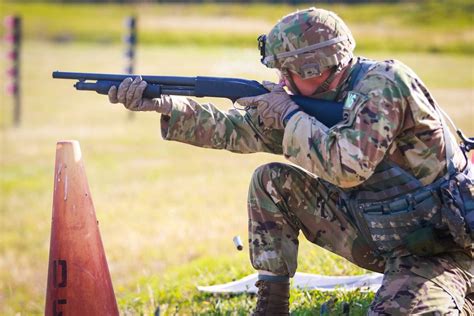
78	276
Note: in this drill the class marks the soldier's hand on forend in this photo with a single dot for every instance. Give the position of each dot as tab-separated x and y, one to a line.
130	94
272	107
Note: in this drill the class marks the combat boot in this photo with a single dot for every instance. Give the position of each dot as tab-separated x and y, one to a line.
272	298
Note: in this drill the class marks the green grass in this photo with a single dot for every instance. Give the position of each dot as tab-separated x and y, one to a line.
173	215
424	26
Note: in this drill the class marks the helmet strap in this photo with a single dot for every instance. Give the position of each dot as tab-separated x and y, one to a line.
325	85
293	86
290	80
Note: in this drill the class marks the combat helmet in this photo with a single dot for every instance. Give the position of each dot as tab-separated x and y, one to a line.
307	42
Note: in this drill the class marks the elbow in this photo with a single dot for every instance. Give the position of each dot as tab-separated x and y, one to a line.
351	182
352	178
354	169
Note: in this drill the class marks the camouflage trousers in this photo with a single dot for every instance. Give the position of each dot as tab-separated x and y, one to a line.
284	200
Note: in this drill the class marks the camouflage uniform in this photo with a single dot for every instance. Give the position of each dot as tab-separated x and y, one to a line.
389	117
394	122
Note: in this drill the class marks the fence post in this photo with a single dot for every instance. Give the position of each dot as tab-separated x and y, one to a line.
130	41
13	40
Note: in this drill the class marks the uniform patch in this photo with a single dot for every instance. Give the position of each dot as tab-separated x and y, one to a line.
352	99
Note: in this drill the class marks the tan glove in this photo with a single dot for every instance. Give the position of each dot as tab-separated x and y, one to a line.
130	94
273	107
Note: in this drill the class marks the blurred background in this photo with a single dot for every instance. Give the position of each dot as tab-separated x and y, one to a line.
168	211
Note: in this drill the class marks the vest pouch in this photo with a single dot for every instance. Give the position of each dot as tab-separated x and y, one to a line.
390	222
465	182
458	208
428	241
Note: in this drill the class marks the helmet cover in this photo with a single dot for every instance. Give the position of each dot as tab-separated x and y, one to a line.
307	43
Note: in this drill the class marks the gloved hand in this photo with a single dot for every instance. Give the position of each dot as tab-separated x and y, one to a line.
272	107
130	94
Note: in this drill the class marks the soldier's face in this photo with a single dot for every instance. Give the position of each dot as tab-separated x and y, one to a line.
306	87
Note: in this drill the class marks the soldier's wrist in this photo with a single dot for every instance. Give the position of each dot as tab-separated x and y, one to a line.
163	105
289	116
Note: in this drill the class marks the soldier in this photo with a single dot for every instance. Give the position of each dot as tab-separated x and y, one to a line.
387	188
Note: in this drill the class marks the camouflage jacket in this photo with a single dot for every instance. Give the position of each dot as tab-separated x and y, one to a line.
389	114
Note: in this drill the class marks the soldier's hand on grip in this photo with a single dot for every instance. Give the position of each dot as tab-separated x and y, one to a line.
274	108
130	94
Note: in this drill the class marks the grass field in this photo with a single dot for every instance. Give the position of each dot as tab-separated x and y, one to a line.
167	211
421	26
167	221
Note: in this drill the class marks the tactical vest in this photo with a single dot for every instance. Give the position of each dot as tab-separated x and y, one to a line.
393	209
